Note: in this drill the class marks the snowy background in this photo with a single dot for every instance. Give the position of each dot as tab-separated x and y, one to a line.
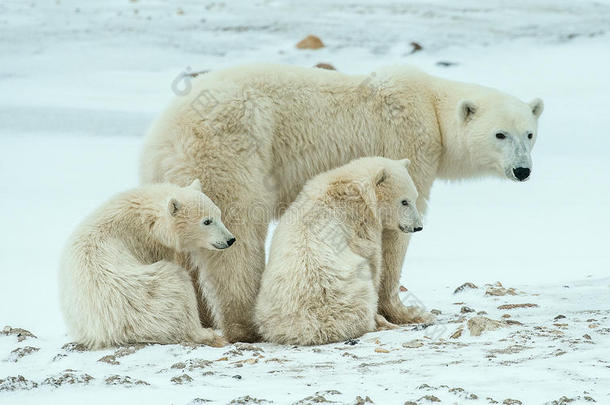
80	82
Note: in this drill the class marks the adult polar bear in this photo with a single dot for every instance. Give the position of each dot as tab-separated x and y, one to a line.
254	135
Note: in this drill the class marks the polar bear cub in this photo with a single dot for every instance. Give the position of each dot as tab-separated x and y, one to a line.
120	281
321	282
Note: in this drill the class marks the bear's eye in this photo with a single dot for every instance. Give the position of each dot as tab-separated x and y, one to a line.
207	221
500	135
530	135
405	202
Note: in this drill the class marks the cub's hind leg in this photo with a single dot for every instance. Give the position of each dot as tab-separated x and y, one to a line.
170	312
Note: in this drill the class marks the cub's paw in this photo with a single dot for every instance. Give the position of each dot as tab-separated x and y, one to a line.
219	341
382	324
419	315
210	338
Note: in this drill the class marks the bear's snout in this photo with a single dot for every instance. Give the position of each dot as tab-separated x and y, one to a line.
406	229
231	241
521	173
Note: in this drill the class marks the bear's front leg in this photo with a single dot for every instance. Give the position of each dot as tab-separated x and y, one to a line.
234	277
394	246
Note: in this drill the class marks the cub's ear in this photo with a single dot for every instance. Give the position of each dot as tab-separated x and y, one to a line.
405	162
466	109
537	106
196	185
173	207
380	177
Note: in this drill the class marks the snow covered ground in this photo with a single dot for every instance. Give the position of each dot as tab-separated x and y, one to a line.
80	82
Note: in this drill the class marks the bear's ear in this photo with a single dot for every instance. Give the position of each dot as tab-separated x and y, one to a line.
466	109
380	177
196	185
173	207
405	162
537	106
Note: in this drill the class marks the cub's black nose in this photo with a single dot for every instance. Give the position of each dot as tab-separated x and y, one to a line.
231	241
417	229
521	173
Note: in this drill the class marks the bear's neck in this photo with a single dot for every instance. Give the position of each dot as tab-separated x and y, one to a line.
138	219
456	160
357	217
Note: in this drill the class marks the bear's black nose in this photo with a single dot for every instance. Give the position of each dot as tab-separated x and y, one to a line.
417	229
231	241
521	173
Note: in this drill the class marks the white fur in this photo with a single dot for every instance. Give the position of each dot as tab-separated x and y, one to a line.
262	131
121	279
321	283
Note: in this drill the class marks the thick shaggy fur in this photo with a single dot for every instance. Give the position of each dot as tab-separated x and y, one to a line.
258	133
322	280
120	281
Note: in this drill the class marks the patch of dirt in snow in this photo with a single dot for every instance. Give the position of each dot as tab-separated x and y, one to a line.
479	324
68	377
498	290
192	364
21	352
182	379
21	334
16	383
123	380
515	306
121	352
246	400
465	286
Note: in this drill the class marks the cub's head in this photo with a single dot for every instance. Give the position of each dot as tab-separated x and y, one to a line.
499	132
396	196
196	220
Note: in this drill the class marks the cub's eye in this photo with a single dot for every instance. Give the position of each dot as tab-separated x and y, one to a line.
530	135
405	202
207	221
500	135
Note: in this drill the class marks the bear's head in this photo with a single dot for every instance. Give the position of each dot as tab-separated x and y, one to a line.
396	195
196	221
495	135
